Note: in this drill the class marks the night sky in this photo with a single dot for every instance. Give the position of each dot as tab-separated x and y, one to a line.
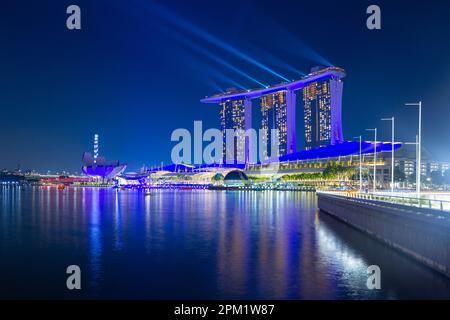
138	68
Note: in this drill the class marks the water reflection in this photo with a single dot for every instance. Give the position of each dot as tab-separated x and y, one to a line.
95	236
118	245
194	244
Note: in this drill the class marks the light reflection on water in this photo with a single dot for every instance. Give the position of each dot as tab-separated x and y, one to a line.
193	244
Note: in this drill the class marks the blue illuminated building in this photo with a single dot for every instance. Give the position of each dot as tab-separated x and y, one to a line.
322	102
322	95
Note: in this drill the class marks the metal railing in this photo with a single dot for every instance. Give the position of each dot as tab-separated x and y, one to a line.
441	205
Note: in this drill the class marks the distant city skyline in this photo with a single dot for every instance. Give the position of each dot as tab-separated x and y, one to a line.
136	71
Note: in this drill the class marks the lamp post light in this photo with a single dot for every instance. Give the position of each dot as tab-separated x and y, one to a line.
419	144
360	163
374	160
417	158
392	119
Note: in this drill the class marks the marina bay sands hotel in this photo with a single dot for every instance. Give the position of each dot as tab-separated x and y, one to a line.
321	91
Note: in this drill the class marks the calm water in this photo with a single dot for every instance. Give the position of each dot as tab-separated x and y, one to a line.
193	244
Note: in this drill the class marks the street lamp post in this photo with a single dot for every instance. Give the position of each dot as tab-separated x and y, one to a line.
360	163
417	156
374	160
392	119
419	145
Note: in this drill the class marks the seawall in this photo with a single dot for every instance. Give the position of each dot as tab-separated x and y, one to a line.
421	233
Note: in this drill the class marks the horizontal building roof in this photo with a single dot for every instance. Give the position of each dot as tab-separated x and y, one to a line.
293	85
343	149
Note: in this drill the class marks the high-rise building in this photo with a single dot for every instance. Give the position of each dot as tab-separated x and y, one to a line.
232	116
322	96
322	112
274	116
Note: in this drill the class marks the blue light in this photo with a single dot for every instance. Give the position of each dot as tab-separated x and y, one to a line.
213	74
221	76
290	43
346	148
216	87
343	149
185	25
210	55
281	63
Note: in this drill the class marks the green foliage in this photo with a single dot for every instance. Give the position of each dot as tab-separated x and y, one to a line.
218	177
258	178
303	176
333	171
337	171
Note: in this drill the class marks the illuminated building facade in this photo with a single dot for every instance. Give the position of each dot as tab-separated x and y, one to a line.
322	93
274	116
96	165
405	162
233	115
322	102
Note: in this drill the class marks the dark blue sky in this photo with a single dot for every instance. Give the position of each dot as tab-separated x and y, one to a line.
136	71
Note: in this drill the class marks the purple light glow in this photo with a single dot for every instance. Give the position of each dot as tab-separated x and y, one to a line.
294	85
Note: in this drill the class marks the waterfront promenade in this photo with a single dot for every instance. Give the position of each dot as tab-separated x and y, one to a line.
420	228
